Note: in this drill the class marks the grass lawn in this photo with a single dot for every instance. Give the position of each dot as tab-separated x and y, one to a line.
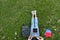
15	13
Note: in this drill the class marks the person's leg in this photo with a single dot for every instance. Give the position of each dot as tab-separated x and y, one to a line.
36	22
33	18
32	22
36	25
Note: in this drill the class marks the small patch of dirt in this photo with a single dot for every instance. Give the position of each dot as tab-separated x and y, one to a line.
59	21
3	37
54	27
15	33
15	38
48	22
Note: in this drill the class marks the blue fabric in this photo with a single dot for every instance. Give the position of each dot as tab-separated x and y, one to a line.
47	30
34	24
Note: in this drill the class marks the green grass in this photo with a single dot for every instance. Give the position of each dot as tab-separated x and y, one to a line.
15	13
